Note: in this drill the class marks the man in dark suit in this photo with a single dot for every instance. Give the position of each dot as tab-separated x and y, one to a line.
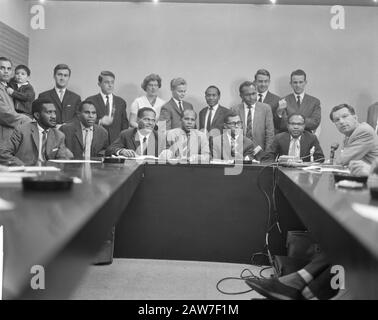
64	100
139	141
111	109
372	117
171	112
256	116
84	137
212	116
262	81
36	142
296	142
299	102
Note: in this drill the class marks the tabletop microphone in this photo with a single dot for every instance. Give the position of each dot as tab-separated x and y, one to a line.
334	147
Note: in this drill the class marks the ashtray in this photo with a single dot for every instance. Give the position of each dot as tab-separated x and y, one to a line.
52	183
114	160
344	176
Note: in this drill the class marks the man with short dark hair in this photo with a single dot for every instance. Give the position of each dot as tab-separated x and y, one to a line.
296	142
172	111
36	142
64	100
360	142
299	102
111	109
262	81
9	118
141	141
256	116
84	137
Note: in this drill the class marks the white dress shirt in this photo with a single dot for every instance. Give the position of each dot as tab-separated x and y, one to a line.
297	150
87	141
110	102
40	138
263	95
215	108
246	115
142	146
60	95
300	95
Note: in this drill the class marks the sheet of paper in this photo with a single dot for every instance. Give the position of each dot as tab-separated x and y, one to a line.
367	211
1	261
75	161
30	169
14	177
325	169
6	205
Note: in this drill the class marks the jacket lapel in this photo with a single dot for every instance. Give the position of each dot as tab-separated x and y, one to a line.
35	135
51	141
79	134
56	99
257	118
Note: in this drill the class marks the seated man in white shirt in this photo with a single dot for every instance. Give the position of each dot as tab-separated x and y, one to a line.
141	141
232	144
187	143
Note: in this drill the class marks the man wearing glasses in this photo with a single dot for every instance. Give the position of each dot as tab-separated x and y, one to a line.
141	141
297	142
232	144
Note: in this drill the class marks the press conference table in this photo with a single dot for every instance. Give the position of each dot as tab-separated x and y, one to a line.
180	212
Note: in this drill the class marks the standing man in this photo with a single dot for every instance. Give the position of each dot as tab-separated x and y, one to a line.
111	109
360	141
65	101
256	116
9	118
372	117
84	137
299	102
212	116
262	81
38	141
173	110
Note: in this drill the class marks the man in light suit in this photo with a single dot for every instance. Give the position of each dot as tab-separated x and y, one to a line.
360	142
111	109
256	116
36	142
84	137
232	144
262	81
299	102
171	112
297	142
9	118
372	117
65	101
212	116
138	141
187	143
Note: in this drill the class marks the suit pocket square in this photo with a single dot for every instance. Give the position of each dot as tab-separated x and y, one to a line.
55	149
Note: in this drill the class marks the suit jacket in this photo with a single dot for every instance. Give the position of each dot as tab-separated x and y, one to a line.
222	148
361	145
218	119
172	115
120	121
281	144
310	108
262	128
23	97
74	139
273	100
9	118
177	142
129	139
372	115
66	109
23	145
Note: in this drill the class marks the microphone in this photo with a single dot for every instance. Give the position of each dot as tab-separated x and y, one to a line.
334	147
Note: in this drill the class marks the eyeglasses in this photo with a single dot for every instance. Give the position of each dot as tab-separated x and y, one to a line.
235	123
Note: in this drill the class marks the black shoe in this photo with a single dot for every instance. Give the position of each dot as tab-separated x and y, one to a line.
275	290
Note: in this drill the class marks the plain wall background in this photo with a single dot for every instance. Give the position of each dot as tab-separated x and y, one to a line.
220	44
14	13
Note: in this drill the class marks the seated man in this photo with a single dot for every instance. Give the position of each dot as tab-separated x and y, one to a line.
361	168
38	141
83	137
186	142
296	142
232	144
360	142
138	141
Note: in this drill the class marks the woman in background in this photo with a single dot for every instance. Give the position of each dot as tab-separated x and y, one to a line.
151	85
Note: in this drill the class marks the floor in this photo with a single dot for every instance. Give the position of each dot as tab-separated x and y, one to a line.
139	279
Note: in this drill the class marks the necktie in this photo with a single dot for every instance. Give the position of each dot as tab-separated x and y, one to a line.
233	144
298	101
87	144
144	146
249	123
107	106
188	145
43	146
294	146
61	95
208	123
260	97
181	107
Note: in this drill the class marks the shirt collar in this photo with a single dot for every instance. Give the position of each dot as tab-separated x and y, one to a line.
215	107
176	101
301	95
22	84
299	138
246	106
141	136
57	90
110	95
85	128
263	95
40	129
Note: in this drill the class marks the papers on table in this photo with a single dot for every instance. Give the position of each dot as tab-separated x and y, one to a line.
367	211
14	177
31	169
6	205
136	157
219	161
325	169
75	161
